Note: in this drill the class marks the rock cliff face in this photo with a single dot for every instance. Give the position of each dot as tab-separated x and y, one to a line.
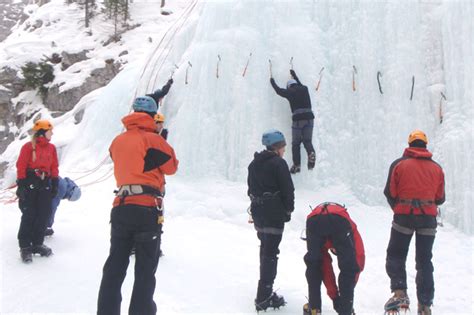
10	12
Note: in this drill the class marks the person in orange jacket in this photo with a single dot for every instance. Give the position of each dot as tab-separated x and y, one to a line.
414	189
37	181
330	228
141	159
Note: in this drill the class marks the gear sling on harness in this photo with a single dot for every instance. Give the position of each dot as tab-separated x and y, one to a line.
133	190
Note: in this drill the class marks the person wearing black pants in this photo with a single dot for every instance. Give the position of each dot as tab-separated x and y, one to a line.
414	189
37	180
137	226
330	222
303	120
271	192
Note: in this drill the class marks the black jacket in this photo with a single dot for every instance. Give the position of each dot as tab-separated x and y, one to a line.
298	96
269	173
160	93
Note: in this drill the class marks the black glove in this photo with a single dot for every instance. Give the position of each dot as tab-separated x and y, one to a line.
293	73
170	81
164	133
54	187
287	216
21	188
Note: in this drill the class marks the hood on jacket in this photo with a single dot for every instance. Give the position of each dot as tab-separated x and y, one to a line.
417	153
139	120
260	157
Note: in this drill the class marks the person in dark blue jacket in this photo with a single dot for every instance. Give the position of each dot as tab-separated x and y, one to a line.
303	120
67	189
271	192
160	93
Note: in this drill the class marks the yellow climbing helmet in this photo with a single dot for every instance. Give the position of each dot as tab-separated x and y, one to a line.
417	135
42	124
159	118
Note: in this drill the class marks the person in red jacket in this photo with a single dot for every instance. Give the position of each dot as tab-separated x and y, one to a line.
141	159
329	227
415	186
37	181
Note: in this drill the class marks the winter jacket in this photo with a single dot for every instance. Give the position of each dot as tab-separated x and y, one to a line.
46	159
65	188
415	177
160	93
141	157
270	189
298	96
329	278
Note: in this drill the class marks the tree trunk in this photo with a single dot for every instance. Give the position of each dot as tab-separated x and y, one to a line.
87	13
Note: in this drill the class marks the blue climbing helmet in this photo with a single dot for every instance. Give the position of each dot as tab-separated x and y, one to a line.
273	138
75	194
145	104
291	82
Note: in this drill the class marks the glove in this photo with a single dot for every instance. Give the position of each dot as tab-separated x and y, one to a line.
21	188
54	187
293	73
164	133
170	81
287	216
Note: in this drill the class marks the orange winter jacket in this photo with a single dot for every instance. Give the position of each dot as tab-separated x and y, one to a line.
141	157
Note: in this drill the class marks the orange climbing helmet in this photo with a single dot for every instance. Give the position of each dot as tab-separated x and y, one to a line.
417	135
159	118
42	124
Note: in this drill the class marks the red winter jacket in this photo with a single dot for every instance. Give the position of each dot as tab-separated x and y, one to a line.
46	158
329	278
141	157
415	176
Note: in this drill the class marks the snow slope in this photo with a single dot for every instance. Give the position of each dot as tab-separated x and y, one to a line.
210	264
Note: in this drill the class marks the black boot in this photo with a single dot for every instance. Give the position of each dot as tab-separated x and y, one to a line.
274	300
26	254
49	231
311	160
295	169
43	250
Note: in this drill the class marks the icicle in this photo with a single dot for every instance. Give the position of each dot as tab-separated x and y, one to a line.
379	75
441	107
412	87
291	63
320	77
354	72
187	69
217	68
246	66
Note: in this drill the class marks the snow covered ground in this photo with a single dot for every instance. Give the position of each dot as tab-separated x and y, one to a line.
211	252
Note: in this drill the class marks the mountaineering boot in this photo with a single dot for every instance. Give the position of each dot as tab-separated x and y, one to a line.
399	301
43	250
424	309
295	169
311	160
49	231
26	254
308	311
274	300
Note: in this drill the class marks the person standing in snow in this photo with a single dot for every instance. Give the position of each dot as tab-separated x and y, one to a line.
37	180
271	192
160	121
141	159
415	186
330	228
67	189
303	120
159	94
